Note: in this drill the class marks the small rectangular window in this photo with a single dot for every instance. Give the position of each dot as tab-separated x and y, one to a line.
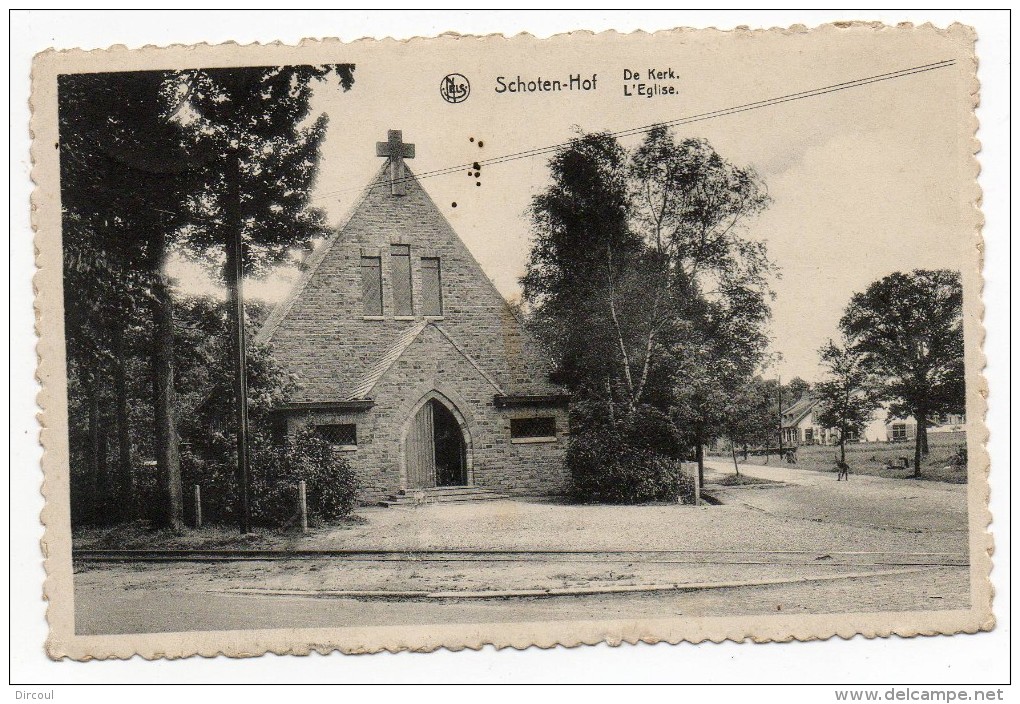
339	435
278	429
533	429
400	273
431	287
371	285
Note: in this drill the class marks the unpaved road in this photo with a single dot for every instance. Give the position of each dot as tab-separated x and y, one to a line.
808	527
104	608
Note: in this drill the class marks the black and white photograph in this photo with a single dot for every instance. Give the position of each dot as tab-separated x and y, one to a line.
511	341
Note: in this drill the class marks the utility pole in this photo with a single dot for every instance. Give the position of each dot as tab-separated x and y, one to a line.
234	272
779	386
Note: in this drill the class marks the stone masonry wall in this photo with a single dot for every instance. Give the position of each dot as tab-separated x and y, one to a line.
323	339
433	368
327	342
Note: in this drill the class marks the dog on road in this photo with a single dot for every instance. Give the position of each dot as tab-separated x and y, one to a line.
844	471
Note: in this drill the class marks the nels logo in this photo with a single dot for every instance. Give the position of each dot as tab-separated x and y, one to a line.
455	88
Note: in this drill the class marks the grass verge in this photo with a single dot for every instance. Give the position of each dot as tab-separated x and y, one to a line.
141	535
874	458
739	480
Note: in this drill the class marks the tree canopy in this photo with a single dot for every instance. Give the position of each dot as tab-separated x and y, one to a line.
908	327
145	162
583	249
848	395
145	150
643	280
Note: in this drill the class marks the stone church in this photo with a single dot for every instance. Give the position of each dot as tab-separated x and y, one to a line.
407	358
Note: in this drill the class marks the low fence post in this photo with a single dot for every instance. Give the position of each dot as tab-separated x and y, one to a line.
198	506
302	506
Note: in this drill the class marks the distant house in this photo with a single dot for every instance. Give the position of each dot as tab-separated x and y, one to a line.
905	429
801	426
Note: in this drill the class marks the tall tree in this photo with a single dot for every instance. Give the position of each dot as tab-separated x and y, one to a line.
794	389
711	298
634	251
909	328
148	151
581	263
847	393
750	417
124	170
643	280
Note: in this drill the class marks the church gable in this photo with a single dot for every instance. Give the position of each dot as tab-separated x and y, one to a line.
432	360
395	263
365	387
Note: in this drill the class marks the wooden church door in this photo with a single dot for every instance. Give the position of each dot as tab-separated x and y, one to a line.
436	451
421	450
450	448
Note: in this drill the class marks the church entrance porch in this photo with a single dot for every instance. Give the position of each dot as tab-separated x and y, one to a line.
435	450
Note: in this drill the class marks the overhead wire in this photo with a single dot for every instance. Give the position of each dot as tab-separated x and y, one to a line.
690	119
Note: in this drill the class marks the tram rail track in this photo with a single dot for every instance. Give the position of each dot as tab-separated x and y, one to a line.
755	557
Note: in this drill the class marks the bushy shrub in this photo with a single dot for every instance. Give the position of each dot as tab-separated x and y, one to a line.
330	482
627	458
212	465
331	488
209	455
631	477
649	429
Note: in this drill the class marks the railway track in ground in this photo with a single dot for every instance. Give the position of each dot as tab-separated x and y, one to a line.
758	557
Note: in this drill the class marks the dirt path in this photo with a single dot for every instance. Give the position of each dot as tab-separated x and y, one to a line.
104	609
933	510
805	527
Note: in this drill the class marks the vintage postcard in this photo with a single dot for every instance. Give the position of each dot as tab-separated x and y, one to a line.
456	341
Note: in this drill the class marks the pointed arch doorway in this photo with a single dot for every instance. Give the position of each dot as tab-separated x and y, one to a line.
436	451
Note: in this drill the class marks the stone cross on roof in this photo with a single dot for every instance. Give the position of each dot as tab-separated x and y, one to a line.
395	148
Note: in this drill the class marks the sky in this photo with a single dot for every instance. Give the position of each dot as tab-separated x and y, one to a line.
864	182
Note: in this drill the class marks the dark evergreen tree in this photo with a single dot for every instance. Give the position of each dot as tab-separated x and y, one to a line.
149	165
582	263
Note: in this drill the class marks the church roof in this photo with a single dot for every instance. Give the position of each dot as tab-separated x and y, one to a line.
334	353
363	388
372	375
